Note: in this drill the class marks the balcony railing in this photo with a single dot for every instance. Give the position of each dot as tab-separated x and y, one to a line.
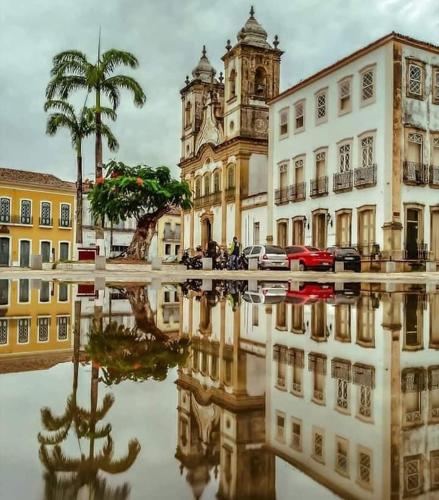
16	219
365	176
297	192
417	252
45	221
172	235
434	176
415	173
412	417
208	199
342	181
230	193
65	223
319	186
281	196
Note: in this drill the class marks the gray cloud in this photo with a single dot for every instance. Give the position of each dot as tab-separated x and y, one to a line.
167	36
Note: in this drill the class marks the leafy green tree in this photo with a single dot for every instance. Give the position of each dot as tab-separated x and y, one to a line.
79	126
72	71
142	192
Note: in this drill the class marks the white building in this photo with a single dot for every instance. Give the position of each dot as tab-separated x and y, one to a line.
354	153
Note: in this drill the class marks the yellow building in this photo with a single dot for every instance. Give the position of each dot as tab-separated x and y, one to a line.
168	234
36	217
36	317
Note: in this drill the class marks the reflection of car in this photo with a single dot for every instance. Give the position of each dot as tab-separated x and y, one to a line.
349	294
265	296
350	256
309	293
310	257
267	256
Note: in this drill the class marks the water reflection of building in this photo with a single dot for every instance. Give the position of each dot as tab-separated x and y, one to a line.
221	411
35	324
353	392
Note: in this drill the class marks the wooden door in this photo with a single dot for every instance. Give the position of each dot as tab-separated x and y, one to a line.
4	252
24	253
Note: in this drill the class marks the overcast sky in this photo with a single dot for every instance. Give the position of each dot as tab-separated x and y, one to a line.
167	36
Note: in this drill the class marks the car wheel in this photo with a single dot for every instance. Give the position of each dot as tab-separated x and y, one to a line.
302	266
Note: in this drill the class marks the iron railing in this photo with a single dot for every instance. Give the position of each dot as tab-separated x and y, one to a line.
45	221
434	176
16	219
415	173
297	192
171	234
342	181
65	223
281	196
365	176
417	252
319	186
371	250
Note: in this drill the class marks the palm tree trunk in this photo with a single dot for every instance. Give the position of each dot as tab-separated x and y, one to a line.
99	228
79	191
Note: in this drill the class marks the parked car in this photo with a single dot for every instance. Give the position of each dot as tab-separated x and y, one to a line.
310	257
267	256
350	256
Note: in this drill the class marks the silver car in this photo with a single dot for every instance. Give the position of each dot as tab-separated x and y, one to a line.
267	256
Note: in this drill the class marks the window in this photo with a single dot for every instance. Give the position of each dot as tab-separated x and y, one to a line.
280	357
206	184
435	84
230	177
232	84
23	330
413	477
4	292
198	187
344	96
23	290
45	291
299	115
365	322
43	329
260	85
364	472
415	144
283	176
298	172
46	251
342	456
367	151
64	220
320	164
283	128
343	321
167	249
342	395
177	249
62	327
296	434
321	103
216	182
318	444
280	427
296	360
365	401
5	210
46	214
255	315
63	251
63	292
344	158
434	469
188	114
256	233
3	331
26	212
317	365
415	80
367	85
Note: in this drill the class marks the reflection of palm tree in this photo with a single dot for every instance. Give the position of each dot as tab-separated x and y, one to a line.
139	353
70	475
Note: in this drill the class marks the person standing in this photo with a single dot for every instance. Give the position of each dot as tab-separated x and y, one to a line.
234	251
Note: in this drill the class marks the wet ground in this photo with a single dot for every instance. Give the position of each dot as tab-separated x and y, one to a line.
218	389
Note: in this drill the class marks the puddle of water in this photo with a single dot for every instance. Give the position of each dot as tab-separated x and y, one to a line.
214	389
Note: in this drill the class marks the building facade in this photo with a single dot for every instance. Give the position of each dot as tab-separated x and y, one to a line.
36	217
166	242
354	153
224	140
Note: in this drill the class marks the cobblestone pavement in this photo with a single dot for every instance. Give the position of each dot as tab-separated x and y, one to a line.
143	273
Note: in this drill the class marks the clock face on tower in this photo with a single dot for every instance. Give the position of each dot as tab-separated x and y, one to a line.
260	125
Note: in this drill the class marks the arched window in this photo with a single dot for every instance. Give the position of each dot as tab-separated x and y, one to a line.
206	184
188	114
198	187
232	83
231	176
216	182
260	83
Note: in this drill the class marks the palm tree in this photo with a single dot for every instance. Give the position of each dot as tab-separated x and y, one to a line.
79	126
72	71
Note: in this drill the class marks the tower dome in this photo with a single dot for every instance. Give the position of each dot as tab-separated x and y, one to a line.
253	33
203	71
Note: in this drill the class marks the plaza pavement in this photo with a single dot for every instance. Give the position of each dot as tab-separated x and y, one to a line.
177	273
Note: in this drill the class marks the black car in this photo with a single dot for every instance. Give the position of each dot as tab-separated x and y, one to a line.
350	256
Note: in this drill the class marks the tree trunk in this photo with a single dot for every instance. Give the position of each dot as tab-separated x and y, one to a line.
79	191
99	226
142	238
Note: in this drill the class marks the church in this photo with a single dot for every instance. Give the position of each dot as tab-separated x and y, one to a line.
224	140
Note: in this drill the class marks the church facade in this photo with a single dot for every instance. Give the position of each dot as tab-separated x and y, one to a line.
224	140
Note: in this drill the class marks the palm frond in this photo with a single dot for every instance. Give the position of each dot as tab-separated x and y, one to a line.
124	463
113	58
62	61
127	83
112	142
61	106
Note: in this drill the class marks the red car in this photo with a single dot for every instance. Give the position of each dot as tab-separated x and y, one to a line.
310	293
310	257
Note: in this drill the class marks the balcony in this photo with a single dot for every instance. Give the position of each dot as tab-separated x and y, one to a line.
16	219
415	174
417	251
342	181
66	223
365	176
281	196
413	417
230	193
45	221
319	186
434	176
297	192
209	199
171	235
